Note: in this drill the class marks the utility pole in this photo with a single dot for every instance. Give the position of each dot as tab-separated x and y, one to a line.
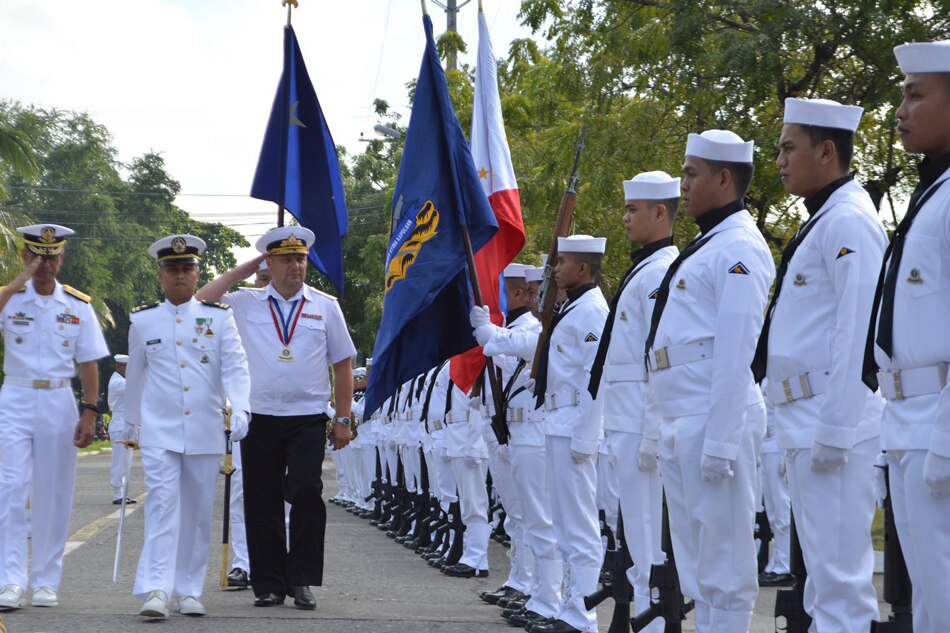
451	25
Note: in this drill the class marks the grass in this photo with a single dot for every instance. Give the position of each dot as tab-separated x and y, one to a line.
96	446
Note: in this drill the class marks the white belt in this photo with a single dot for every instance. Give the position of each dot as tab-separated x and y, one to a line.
387	419
520	414
799	387
635	372
438	425
49	383
560	400
667	357
907	383
453	417
487	410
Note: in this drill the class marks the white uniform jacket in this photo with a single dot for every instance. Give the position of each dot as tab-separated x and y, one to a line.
573	346
185	363
921	336
819	325
719	295
463	429
627	399
116	403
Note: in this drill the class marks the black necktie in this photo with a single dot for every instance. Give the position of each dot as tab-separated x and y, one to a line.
760	360
541	379
663	294
887	286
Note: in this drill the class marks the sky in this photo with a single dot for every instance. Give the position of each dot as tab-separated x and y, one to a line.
194	80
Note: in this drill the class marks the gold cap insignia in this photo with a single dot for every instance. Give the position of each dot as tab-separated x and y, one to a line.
292	241
179	245
48	235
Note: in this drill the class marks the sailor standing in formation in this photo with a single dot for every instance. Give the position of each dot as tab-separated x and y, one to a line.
119	431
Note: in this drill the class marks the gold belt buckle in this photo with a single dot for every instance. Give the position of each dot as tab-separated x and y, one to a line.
787	388
898	388
806	386
661	358
42	384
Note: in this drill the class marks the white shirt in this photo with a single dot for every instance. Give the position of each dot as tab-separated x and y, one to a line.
320	339
44	336
718	293
185	364
820	324
117	401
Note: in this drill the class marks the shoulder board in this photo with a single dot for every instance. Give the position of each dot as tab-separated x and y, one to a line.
147	306
321	293
82	296
214	304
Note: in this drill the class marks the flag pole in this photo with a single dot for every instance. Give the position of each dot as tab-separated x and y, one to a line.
425	11
290	4
282	172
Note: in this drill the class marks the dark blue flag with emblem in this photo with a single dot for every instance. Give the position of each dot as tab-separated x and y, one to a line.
298	167
428	296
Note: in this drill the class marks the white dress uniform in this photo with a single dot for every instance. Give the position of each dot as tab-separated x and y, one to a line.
44	336
711	407
185	363
915	429
817	338
627	407
117	433
443	480
774	493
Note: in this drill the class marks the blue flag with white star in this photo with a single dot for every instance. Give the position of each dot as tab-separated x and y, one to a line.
298	167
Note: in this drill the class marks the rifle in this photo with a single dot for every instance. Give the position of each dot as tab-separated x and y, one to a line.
562	226
228	471
763	532
789	603
665	582
617	561
898	589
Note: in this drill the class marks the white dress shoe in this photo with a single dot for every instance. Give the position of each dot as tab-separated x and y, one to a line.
44	597
156	606
189	605
11	597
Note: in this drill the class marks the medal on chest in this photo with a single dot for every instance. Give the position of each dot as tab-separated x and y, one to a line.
286	326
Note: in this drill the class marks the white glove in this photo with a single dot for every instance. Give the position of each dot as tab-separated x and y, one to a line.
238	425
825	459
128	433
715	469
503	453
472	462
937	475
880	480
647	455
479	316
580	458
483	334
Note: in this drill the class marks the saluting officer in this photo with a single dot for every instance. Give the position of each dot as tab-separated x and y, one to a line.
910	342
651	200
186	363
812	348
47	329
703	331
293	334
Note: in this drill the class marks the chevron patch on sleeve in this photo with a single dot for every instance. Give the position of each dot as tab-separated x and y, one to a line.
591	338
844	251
653	294
738	269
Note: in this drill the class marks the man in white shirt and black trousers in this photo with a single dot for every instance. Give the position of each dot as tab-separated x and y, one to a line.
293	334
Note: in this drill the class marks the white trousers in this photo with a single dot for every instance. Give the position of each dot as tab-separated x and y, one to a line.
119	457
641	503
177	522
608	492
238	534
473	501
833	514
502	476
778	508
392	462
369	474
359	477
410	465
342	476
923	526
37	460
572	488
445	478
711	524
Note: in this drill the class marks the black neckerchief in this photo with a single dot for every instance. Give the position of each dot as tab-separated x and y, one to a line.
541	378
709	220
513	315
576	293
814	203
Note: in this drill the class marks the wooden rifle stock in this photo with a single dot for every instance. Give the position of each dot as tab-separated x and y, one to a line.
562	227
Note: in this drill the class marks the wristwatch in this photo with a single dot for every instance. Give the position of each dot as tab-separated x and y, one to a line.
90	407
341	421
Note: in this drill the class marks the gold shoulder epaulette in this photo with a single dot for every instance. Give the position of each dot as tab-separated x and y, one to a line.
145	307
82	296
215	304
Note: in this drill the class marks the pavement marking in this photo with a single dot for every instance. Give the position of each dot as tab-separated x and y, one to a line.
89	530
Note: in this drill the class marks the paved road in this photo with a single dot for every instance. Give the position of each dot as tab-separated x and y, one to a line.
371	584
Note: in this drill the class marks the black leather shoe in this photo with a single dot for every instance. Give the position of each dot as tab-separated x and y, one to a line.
303	599
461	570
771	579
269	600
558	626
524	617
128	501
542	622
492	597
514	602
238	578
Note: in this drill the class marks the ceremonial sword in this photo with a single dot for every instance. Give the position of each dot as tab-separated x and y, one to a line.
130	446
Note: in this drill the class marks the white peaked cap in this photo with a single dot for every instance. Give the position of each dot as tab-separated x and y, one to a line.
262	265
533	274
515	270
581	244
651	185
924	57
121	358
719	145
359	372
544	260
823	113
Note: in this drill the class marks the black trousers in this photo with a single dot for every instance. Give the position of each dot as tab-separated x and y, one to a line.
282	459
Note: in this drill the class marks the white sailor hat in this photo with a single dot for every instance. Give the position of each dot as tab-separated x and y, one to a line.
923	57
651	185
822	113
262	265
284	240
177	249
532	273
581	244
359	372
719	145
45	239
121	359
515	271
369	362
